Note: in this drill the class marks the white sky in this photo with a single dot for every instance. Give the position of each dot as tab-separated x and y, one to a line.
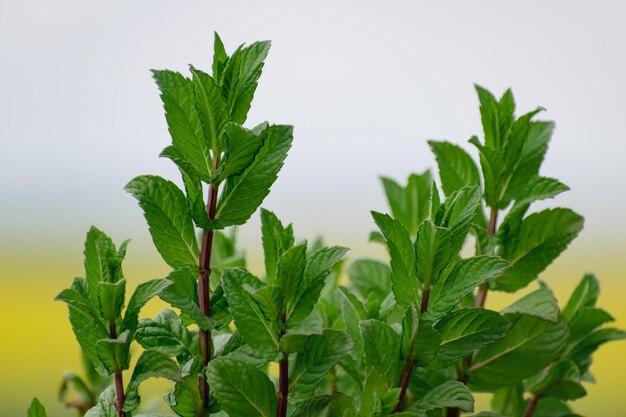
364	82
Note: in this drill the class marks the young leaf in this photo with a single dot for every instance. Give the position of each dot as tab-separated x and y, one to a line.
36	409
370	276
260	333
244	193
528	347
165	210
290	272
457	214
183	294
242	146
143	293
541	238
381	345
403	278
456	167
276	239
466	275
211	108
585	295
241	389
177	93
151	364
319	265
433	249
451	394
318	358
111	298
540	303
167	334
465	331
106	405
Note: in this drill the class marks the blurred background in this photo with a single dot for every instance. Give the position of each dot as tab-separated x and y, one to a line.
365	83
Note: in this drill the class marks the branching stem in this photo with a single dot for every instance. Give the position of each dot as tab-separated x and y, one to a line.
119	380
204	287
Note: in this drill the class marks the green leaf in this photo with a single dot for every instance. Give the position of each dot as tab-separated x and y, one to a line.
586	320
381	345
450	394
142	294
409	205
541	303
165	210
220	58
466	275
377	398
114	353
420	342
244	78
151	364
183	120
582	350
99	249
244	193
36	409
320	355
541	238
111	298
260	333
241	389
433	249
465	331
86	322
496	116
319	265
290	273
456	167
403	279
211	108
106	405
585	295
276	239
528	347
370	276
336	405
296	338
185	399
183	294
241	148
167	334
457	214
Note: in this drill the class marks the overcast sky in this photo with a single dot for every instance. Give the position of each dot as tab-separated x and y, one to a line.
365	83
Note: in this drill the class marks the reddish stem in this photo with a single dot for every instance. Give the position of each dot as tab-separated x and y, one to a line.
119	381
283	376
532	405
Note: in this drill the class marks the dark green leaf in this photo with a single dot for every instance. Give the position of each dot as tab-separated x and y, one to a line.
456	167
111	298
449	394
433	249
211	108
540	303
151	364
370	276
381	345
585	295
167	334
142	294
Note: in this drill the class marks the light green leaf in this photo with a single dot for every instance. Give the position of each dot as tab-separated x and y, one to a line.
457	214
433	249
370	276
99	251
403	279
183	294
452	394
381	345
241	148
165	210
36	409
290	273
276	239
241	389
319	265
541	303
528	347
211	108
541	238
106	405
167	334
151	364
177	93
260	333
466	275
465	331
456	167
337	405
320	355
111	298
585	295
586	320
142	294
244	193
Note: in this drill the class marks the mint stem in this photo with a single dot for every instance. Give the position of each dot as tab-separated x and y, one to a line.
204	285
119	381
283	376
408	369
532	405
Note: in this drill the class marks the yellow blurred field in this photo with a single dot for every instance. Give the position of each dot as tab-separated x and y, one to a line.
38	344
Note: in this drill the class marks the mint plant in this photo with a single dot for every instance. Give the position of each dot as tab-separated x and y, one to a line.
409	337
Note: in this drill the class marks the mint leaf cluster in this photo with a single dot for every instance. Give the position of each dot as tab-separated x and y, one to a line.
316	335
